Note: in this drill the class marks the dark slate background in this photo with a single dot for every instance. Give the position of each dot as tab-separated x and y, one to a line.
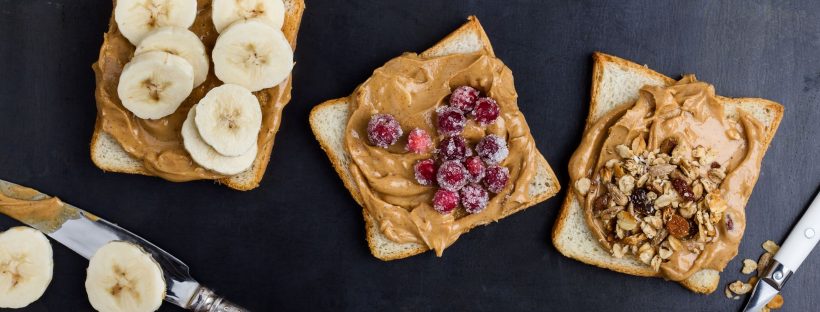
297	242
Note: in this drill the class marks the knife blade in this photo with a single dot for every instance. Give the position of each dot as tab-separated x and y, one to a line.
800	242
84	233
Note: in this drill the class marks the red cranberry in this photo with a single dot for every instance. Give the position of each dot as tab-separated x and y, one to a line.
485	111
492	149
383	130
425	171
475	168
453	148
418	141
445	201
451	120
451	176
496	178
474	198
464	98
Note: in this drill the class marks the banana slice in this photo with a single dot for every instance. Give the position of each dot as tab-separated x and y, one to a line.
180	42
136	18
123	277
155	83
26	266
204	155
228	119
270	12
253	55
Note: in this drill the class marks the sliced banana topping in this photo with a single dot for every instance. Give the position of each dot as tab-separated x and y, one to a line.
123	277
225	12
136	18
229	118
155	83
253	55
26	266
180	42
204	155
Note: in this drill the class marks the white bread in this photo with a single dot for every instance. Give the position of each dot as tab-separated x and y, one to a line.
108	155
329	120
615	82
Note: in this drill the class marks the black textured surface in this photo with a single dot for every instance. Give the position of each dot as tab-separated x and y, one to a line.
297	242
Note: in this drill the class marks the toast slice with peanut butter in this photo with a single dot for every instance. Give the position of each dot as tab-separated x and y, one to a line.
329	121
615	87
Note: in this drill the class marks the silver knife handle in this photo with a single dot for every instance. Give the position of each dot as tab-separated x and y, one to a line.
802	239
206	300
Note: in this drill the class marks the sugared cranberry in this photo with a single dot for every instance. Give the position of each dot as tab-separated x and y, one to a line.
474	198
496	178
445	201
492	149
418	141
451	120
452	175
453	148
383	130
464	98
475	168
485	111
425	171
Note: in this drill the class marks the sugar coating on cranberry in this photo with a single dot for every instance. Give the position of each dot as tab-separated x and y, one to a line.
464	98
425	171
474	198
451	120
485	111
475	168
418	141
445	201
496	178
451	175
492	149
383	130
453	148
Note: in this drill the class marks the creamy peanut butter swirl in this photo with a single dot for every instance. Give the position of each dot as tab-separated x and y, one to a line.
158	143
410	88
689	113
27	206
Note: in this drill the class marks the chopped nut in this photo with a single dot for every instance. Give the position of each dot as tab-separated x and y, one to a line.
616	195
687	210
716	175
728	293
740	287
606	175
618	170
664	253
681	151
645	253
582	185
624	151
699	152
626	184
648	230
771	246
763	263
642	180
697	190
776	302
661	170
749	266
656	263
708	185
618	251
601	202
664	200
611	162
626	221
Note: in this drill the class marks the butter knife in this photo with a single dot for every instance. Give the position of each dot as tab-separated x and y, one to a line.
800	242
84	233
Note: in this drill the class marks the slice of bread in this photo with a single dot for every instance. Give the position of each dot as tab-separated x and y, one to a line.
108	154
329	120
615	83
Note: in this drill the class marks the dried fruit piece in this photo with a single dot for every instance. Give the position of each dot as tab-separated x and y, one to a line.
683	189
486	111
668	145
601	202
425	171
474	198
678	226
383	130
475	168
641	203
453	148
451	120
464	98
418	141
492	149
445	201
496	178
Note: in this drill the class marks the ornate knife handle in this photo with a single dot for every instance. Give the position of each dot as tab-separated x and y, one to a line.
206	300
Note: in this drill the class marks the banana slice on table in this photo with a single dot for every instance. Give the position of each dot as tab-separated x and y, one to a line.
180	42
26	266
136	18
225	12
123	277
228	119
204	155
253	55
155	83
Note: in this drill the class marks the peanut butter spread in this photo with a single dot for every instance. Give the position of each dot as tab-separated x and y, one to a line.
28	206
158	143
667	179
410	88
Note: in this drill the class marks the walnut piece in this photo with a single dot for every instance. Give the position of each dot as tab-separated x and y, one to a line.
749	266
771	247
740	287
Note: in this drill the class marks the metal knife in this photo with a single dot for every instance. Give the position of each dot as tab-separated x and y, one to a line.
802	239
84	233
